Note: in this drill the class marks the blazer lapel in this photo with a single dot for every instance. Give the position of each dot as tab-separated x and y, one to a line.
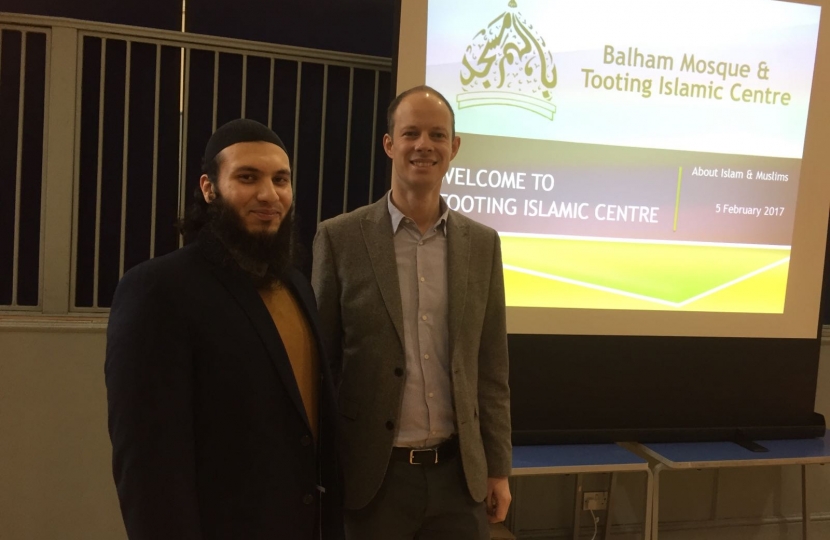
377	234
458	265
248	298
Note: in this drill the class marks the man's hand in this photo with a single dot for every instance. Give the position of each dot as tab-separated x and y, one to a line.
498	499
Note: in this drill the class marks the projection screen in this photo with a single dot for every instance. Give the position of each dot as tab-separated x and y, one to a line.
653	168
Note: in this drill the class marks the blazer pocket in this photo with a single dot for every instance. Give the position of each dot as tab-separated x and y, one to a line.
349	408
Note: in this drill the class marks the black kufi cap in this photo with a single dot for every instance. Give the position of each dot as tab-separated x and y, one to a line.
237	131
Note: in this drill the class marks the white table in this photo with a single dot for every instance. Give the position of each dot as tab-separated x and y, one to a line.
712	455
582	459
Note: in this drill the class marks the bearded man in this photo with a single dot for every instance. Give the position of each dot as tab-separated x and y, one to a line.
220	404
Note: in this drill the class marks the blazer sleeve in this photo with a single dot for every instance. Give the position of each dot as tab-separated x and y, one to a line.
327	292
493	372
149	378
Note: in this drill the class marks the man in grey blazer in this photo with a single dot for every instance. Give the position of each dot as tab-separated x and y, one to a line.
411	302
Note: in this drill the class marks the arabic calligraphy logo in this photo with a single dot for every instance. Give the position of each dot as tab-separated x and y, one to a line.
507	64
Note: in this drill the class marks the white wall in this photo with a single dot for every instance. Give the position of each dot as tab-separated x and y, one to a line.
55	481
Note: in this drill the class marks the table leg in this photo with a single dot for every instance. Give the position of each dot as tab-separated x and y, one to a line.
577	506
805	515
655	513
647	526
607	529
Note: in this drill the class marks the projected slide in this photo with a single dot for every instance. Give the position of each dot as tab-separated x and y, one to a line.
633	155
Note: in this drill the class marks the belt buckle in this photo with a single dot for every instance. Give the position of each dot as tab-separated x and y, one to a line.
412	454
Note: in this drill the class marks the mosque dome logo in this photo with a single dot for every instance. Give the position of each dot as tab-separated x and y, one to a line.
507	64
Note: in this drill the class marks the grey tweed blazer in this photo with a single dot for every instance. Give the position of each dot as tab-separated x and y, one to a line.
355	280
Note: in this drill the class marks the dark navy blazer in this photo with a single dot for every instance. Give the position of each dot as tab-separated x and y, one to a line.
210	436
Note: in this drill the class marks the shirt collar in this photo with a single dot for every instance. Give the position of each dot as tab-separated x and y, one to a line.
398	216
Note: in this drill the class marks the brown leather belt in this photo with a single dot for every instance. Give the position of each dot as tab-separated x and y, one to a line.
427	456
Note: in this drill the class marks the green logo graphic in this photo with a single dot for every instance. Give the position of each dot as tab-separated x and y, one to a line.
507	64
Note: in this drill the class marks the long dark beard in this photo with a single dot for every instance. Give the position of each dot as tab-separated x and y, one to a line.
265	256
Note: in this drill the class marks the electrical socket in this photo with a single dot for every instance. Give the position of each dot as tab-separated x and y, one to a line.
595	500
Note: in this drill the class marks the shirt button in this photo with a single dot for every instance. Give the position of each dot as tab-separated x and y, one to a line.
426	357
424	317
308	498
430	394
305	440
398	372
423	278
420	243
390	425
